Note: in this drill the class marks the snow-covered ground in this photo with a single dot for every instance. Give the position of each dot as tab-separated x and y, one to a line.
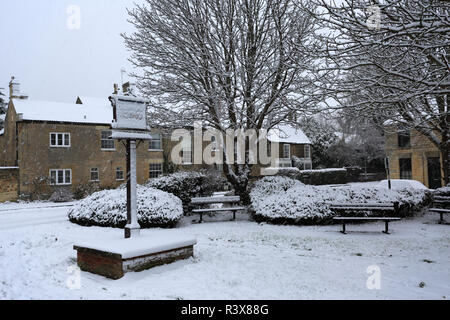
233	260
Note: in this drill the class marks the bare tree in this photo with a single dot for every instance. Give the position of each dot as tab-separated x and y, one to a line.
232	64
391	58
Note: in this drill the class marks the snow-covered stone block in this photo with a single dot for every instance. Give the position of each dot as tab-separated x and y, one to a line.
113	258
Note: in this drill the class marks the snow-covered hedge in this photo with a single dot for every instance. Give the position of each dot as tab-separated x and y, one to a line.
108	208
324	176
282	200
189	184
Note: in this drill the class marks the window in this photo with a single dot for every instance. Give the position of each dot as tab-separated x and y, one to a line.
307	151
156	142
286	151
404	138
186	152
214	144
61	176
405	169
94	174
156	170
119	174
107	142
59	140
307	165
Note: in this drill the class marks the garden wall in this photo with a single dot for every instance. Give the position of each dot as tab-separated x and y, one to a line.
9	184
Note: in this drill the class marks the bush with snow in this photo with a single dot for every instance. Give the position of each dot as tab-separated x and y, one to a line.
189	184
108	208
282	200
62	195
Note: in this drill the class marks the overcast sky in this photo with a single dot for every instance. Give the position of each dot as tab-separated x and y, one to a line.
56	62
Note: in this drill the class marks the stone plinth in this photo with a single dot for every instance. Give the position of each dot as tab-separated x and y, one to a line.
114	258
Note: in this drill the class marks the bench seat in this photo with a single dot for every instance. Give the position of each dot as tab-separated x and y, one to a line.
386	220
229	200
218	209
441	213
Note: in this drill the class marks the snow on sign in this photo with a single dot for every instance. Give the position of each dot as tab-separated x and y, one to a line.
129	112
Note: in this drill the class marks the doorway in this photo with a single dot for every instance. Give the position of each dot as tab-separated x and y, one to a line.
434	173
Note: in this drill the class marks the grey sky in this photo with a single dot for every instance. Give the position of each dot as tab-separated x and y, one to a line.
55	63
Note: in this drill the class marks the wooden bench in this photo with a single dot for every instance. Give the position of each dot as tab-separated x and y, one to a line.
440	205
229	202
359	207
386	220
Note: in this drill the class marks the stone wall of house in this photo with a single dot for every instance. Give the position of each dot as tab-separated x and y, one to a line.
421	149
9	184
37	158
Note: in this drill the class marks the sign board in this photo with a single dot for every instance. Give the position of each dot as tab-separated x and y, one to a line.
129	113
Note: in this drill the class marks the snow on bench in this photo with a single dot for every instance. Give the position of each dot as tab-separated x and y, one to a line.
227	200
440	205
387	206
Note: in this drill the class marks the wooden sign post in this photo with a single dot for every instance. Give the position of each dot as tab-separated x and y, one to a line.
130	127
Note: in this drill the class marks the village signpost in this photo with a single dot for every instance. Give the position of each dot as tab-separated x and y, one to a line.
130	127
112	258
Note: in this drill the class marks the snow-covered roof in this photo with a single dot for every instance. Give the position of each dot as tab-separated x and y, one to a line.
99	112
288	134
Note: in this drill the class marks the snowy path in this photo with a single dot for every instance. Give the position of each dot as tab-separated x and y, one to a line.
236	260
32	215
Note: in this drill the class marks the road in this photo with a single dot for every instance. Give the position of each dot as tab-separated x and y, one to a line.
14	216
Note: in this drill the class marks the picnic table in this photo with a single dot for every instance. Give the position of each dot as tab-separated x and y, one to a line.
363	207
230	203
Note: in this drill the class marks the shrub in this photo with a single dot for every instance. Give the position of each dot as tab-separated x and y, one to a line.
281	200
83	190
189	184
62	195
323	176
108	208
293	173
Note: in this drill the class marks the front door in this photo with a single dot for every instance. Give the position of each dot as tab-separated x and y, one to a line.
434	173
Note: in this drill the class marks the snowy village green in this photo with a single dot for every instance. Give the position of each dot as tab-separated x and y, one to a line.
225	154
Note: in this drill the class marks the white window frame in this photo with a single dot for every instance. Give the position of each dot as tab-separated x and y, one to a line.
186	149
63	140
56	183
123	173
159	140
288	150
98	174
101	140
307	154
160	172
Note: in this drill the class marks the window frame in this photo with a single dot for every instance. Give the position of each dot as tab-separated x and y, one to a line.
284	150
402	172
123	173
404	138
56	183
159	141
161	172
63	134
107	140
93	170
307	147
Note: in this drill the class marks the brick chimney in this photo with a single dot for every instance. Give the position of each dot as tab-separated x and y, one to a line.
14	90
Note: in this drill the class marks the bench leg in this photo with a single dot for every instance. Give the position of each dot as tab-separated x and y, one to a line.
386	231
441	221
343	228
201	218
234	215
